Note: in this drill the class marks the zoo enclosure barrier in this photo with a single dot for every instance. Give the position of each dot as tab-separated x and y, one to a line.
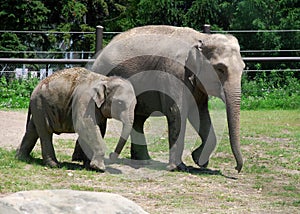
41	65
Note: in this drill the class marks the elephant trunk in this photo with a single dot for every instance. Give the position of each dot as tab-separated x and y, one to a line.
233	100
123	138
126	130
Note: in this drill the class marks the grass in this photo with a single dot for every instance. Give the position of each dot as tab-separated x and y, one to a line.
269	181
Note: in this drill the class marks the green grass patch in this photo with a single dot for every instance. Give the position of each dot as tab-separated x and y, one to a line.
270	179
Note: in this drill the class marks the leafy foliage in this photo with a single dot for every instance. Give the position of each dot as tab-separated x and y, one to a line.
276	90
263	16
16	93
120	15
24	15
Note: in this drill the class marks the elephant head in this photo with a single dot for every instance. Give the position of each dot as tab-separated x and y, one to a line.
223	52
120	102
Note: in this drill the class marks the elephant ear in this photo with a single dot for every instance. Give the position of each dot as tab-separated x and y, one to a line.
98	94
201	74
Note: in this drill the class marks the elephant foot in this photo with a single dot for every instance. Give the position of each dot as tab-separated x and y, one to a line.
113	156
76	157
181	167
97	165
141	157
52	163
196	155
140	162
79	157
78	154
139	152
23	157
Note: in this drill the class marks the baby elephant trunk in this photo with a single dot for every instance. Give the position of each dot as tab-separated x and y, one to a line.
126	129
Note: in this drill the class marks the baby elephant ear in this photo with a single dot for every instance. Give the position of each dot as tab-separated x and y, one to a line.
98	94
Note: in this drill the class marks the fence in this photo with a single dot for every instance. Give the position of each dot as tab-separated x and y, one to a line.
41	63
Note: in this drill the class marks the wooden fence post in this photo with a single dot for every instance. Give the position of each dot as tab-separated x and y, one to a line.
206	28
99	38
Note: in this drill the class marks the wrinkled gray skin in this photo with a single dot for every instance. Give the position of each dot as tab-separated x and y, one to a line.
77	100
206	64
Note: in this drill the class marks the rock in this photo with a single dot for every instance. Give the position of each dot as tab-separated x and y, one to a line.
67	201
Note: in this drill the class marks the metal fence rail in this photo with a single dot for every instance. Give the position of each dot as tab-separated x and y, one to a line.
82	61
99	34
10	64
43	61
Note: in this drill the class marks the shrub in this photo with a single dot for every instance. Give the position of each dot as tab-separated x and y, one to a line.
16	92
273	90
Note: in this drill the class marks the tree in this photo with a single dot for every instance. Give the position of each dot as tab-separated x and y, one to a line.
191	13
166	12
82	15
216	13
64	15
24	15
10	42
270	15
262	15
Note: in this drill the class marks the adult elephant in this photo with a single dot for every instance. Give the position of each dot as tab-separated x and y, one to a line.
173	70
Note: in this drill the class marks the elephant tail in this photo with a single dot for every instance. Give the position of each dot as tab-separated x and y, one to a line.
28	117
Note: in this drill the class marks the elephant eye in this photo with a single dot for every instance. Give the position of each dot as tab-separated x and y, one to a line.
120	104
221	71
221	68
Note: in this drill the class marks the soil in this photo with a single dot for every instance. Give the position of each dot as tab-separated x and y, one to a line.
12	129
225	193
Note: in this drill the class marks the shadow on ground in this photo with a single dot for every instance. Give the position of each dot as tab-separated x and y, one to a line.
112	167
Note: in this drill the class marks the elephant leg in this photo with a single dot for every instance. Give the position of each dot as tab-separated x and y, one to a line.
94	148
91	141
176	130
139	150
201	122
78	154
28	142
102	127
48	152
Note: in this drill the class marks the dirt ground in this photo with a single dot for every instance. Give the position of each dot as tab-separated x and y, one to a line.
213	190
13	123
12	129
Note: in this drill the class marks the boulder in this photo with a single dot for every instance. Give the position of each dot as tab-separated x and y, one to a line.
67	201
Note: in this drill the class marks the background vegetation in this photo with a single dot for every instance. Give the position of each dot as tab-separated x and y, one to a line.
263	92
260	90
120	15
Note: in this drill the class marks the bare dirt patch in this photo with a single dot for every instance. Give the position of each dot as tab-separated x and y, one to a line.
12	129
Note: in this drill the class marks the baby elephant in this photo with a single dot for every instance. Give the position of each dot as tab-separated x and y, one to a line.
77	100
